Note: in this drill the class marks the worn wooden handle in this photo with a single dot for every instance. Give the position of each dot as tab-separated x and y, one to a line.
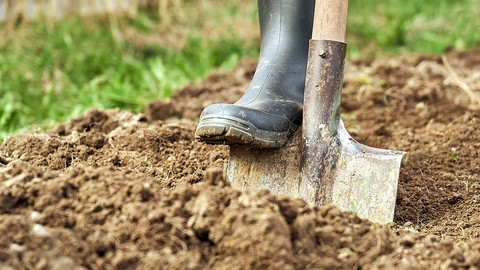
330	20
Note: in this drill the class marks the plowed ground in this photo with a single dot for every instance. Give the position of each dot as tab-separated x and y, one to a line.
114	190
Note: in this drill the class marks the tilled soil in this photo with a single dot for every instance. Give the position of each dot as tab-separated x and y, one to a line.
113	190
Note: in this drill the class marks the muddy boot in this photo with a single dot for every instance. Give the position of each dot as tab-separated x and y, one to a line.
270	111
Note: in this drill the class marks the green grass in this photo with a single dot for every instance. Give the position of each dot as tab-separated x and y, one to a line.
386	27
50	72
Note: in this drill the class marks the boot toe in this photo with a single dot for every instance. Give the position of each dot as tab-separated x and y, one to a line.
241	125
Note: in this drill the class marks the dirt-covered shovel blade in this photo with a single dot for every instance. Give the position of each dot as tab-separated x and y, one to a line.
323	164
336	168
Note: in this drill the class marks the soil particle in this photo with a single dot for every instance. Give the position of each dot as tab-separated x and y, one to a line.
114	190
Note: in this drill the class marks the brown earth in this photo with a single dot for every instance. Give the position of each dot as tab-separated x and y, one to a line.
113	190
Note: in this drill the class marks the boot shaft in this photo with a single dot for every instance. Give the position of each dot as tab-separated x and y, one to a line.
285	29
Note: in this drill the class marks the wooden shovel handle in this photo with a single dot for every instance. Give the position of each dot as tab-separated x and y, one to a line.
330	20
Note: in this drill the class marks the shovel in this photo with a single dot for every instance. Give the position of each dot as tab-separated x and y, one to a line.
322	163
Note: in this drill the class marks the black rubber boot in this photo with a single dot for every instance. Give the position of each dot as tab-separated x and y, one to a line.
270	111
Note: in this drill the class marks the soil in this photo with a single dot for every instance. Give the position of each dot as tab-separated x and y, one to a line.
115	190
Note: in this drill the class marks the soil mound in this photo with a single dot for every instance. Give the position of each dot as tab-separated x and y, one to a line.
113	190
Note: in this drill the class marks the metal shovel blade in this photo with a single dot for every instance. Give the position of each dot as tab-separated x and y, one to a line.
336	168
322	163
365	179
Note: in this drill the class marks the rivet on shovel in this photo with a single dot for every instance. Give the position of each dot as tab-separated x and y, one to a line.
322	53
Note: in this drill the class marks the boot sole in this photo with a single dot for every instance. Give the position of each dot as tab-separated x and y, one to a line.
234	131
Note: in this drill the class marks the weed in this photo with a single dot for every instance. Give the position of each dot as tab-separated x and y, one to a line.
452	157
353	207
348	116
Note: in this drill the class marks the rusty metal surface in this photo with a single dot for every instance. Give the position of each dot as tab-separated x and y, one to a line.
320	119
323	164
